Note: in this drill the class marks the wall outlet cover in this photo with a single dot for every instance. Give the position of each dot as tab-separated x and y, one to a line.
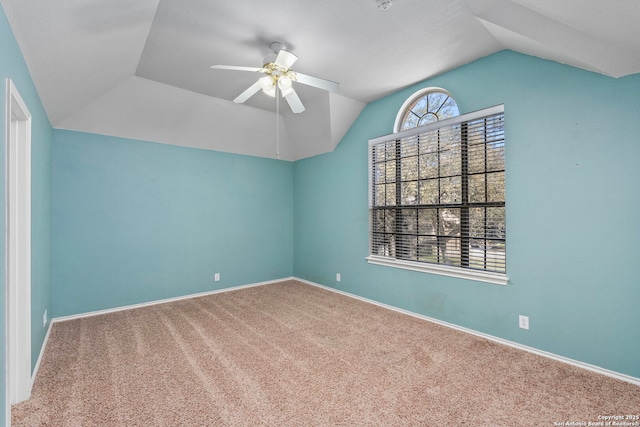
523	322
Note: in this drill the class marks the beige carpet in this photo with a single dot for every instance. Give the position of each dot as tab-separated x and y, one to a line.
290	354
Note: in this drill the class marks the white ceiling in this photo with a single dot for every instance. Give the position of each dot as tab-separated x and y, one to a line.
140	69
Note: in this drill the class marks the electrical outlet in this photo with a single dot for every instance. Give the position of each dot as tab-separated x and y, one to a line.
44	319
523	322
337	277
217	277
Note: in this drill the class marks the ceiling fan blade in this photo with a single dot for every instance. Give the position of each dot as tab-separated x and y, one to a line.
235	68
251	90
294	102
285	59
318	82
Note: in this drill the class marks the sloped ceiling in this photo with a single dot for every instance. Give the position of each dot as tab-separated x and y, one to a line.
141	69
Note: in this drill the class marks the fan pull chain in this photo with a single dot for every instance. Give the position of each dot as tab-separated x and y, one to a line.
277	123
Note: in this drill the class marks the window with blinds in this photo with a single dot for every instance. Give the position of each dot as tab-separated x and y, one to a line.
437	194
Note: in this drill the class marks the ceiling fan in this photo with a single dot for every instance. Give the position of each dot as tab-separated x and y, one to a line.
279	76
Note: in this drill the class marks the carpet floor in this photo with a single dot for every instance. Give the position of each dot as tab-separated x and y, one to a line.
291	354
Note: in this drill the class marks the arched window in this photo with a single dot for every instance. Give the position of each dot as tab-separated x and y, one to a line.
437	190
426	106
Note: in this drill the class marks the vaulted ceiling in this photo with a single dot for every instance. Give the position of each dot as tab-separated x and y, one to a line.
141	69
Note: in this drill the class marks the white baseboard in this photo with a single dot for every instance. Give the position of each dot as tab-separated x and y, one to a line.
577	363
164	301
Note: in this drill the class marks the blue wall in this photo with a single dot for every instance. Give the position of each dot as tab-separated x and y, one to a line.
138	221
12	66
573	237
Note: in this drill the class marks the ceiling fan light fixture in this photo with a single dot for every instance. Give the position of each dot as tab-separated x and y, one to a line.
285	85
284	82
267	86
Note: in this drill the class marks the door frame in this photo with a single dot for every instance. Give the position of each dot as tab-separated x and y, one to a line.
17	248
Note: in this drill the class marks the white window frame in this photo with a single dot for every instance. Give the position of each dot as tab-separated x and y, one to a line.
440	269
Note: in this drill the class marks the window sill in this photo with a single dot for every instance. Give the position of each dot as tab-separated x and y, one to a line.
461	273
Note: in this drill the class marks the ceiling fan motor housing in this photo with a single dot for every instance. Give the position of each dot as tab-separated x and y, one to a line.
269	59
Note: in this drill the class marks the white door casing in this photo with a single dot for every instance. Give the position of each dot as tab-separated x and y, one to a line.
18	247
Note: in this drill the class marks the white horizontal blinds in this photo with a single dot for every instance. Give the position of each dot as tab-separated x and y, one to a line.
437	193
